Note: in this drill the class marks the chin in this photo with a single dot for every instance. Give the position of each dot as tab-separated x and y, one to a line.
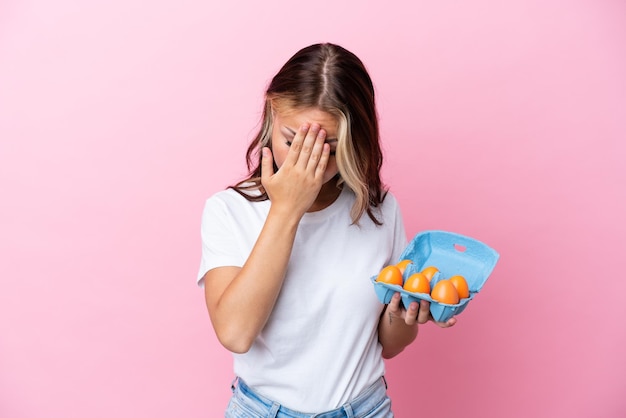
330	178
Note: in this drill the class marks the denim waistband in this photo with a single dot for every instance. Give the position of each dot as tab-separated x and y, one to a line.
377	390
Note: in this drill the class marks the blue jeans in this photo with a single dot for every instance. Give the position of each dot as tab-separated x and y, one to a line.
371	403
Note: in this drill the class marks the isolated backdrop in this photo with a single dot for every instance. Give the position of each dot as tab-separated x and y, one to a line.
501	120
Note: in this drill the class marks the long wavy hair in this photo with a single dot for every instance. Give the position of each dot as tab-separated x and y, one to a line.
332	79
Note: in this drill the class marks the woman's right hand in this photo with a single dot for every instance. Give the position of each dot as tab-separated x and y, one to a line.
297	183
240	300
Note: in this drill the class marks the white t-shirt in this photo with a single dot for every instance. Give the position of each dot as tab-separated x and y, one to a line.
319	348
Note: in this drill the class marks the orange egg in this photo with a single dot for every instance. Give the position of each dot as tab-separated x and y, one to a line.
402	265
417	283
461	286
429	272
390	275
445	292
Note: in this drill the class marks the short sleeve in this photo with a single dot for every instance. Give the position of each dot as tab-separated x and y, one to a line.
219	244
399	233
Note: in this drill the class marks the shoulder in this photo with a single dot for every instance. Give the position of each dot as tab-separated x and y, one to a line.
230	202
385	210
223	197
389	206
231	196
389	199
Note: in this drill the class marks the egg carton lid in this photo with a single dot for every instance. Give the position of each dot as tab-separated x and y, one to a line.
452	254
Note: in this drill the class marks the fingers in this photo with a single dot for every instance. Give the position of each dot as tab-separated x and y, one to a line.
312	148
321	165
416	312
425	316
396	309
411	313
296	145
308	148
394	305
450	322
319	146
424	312
267	164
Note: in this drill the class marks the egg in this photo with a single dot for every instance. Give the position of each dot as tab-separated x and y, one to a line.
430	271
461	286
390	275
445	292
403	264
417	283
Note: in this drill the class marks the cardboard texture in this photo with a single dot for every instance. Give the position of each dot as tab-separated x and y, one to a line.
453	254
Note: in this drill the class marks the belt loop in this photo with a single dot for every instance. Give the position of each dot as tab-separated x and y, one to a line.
232	384
273	412
385	380
347	408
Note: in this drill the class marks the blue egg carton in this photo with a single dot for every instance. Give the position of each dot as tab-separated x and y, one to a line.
453	254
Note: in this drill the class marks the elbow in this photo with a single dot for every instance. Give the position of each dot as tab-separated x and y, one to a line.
236	348
389	354
235	342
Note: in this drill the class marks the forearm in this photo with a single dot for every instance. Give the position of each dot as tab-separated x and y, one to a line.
245	305
240	301
394	334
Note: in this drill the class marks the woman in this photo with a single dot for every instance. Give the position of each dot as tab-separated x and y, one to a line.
288	252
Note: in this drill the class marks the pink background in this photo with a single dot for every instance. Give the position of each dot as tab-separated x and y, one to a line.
504	121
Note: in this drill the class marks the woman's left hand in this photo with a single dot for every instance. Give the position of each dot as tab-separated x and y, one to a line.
416	312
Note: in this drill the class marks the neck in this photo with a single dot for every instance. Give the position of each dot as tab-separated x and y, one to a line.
327	195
